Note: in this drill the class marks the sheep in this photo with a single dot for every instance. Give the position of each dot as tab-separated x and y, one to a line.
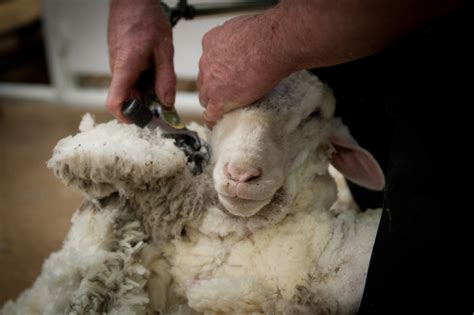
256	232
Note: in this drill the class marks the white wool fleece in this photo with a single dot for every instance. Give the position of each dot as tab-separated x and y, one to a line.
114	156
97	256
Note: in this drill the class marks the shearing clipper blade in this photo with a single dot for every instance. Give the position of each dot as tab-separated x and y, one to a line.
152	115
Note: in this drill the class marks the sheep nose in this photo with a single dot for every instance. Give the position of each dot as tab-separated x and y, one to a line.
240	174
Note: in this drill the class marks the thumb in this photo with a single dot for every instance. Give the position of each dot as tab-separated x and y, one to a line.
165	77
212	114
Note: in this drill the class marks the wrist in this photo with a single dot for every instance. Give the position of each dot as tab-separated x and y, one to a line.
287	45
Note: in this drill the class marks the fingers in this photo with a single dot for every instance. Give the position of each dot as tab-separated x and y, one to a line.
203	98
127	70
212	114
165	77
213	110
124	75
209	122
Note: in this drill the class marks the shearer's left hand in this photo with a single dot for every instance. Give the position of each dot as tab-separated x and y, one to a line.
241	62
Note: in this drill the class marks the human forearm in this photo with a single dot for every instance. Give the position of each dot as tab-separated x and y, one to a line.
322	33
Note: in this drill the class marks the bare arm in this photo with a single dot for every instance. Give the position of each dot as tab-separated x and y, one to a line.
325	33
244	58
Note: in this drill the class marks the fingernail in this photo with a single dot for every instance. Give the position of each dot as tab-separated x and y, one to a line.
169	98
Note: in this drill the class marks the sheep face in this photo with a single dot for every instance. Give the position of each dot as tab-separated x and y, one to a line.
259	148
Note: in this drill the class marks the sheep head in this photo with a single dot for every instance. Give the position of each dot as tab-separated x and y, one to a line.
291	133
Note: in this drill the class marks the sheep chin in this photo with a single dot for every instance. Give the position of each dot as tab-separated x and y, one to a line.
242	207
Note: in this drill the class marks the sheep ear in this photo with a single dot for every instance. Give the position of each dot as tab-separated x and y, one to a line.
354	162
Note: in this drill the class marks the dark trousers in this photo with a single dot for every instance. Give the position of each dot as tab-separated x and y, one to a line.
397	105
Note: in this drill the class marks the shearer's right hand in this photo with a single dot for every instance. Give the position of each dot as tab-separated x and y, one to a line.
139	36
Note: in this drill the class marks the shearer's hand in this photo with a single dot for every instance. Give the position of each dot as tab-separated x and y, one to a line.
139	36
241	62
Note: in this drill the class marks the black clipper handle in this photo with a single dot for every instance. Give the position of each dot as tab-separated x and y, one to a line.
136	112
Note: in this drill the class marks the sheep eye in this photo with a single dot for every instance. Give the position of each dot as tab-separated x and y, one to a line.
316	113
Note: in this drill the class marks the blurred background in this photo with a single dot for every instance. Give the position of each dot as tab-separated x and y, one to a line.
53	69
